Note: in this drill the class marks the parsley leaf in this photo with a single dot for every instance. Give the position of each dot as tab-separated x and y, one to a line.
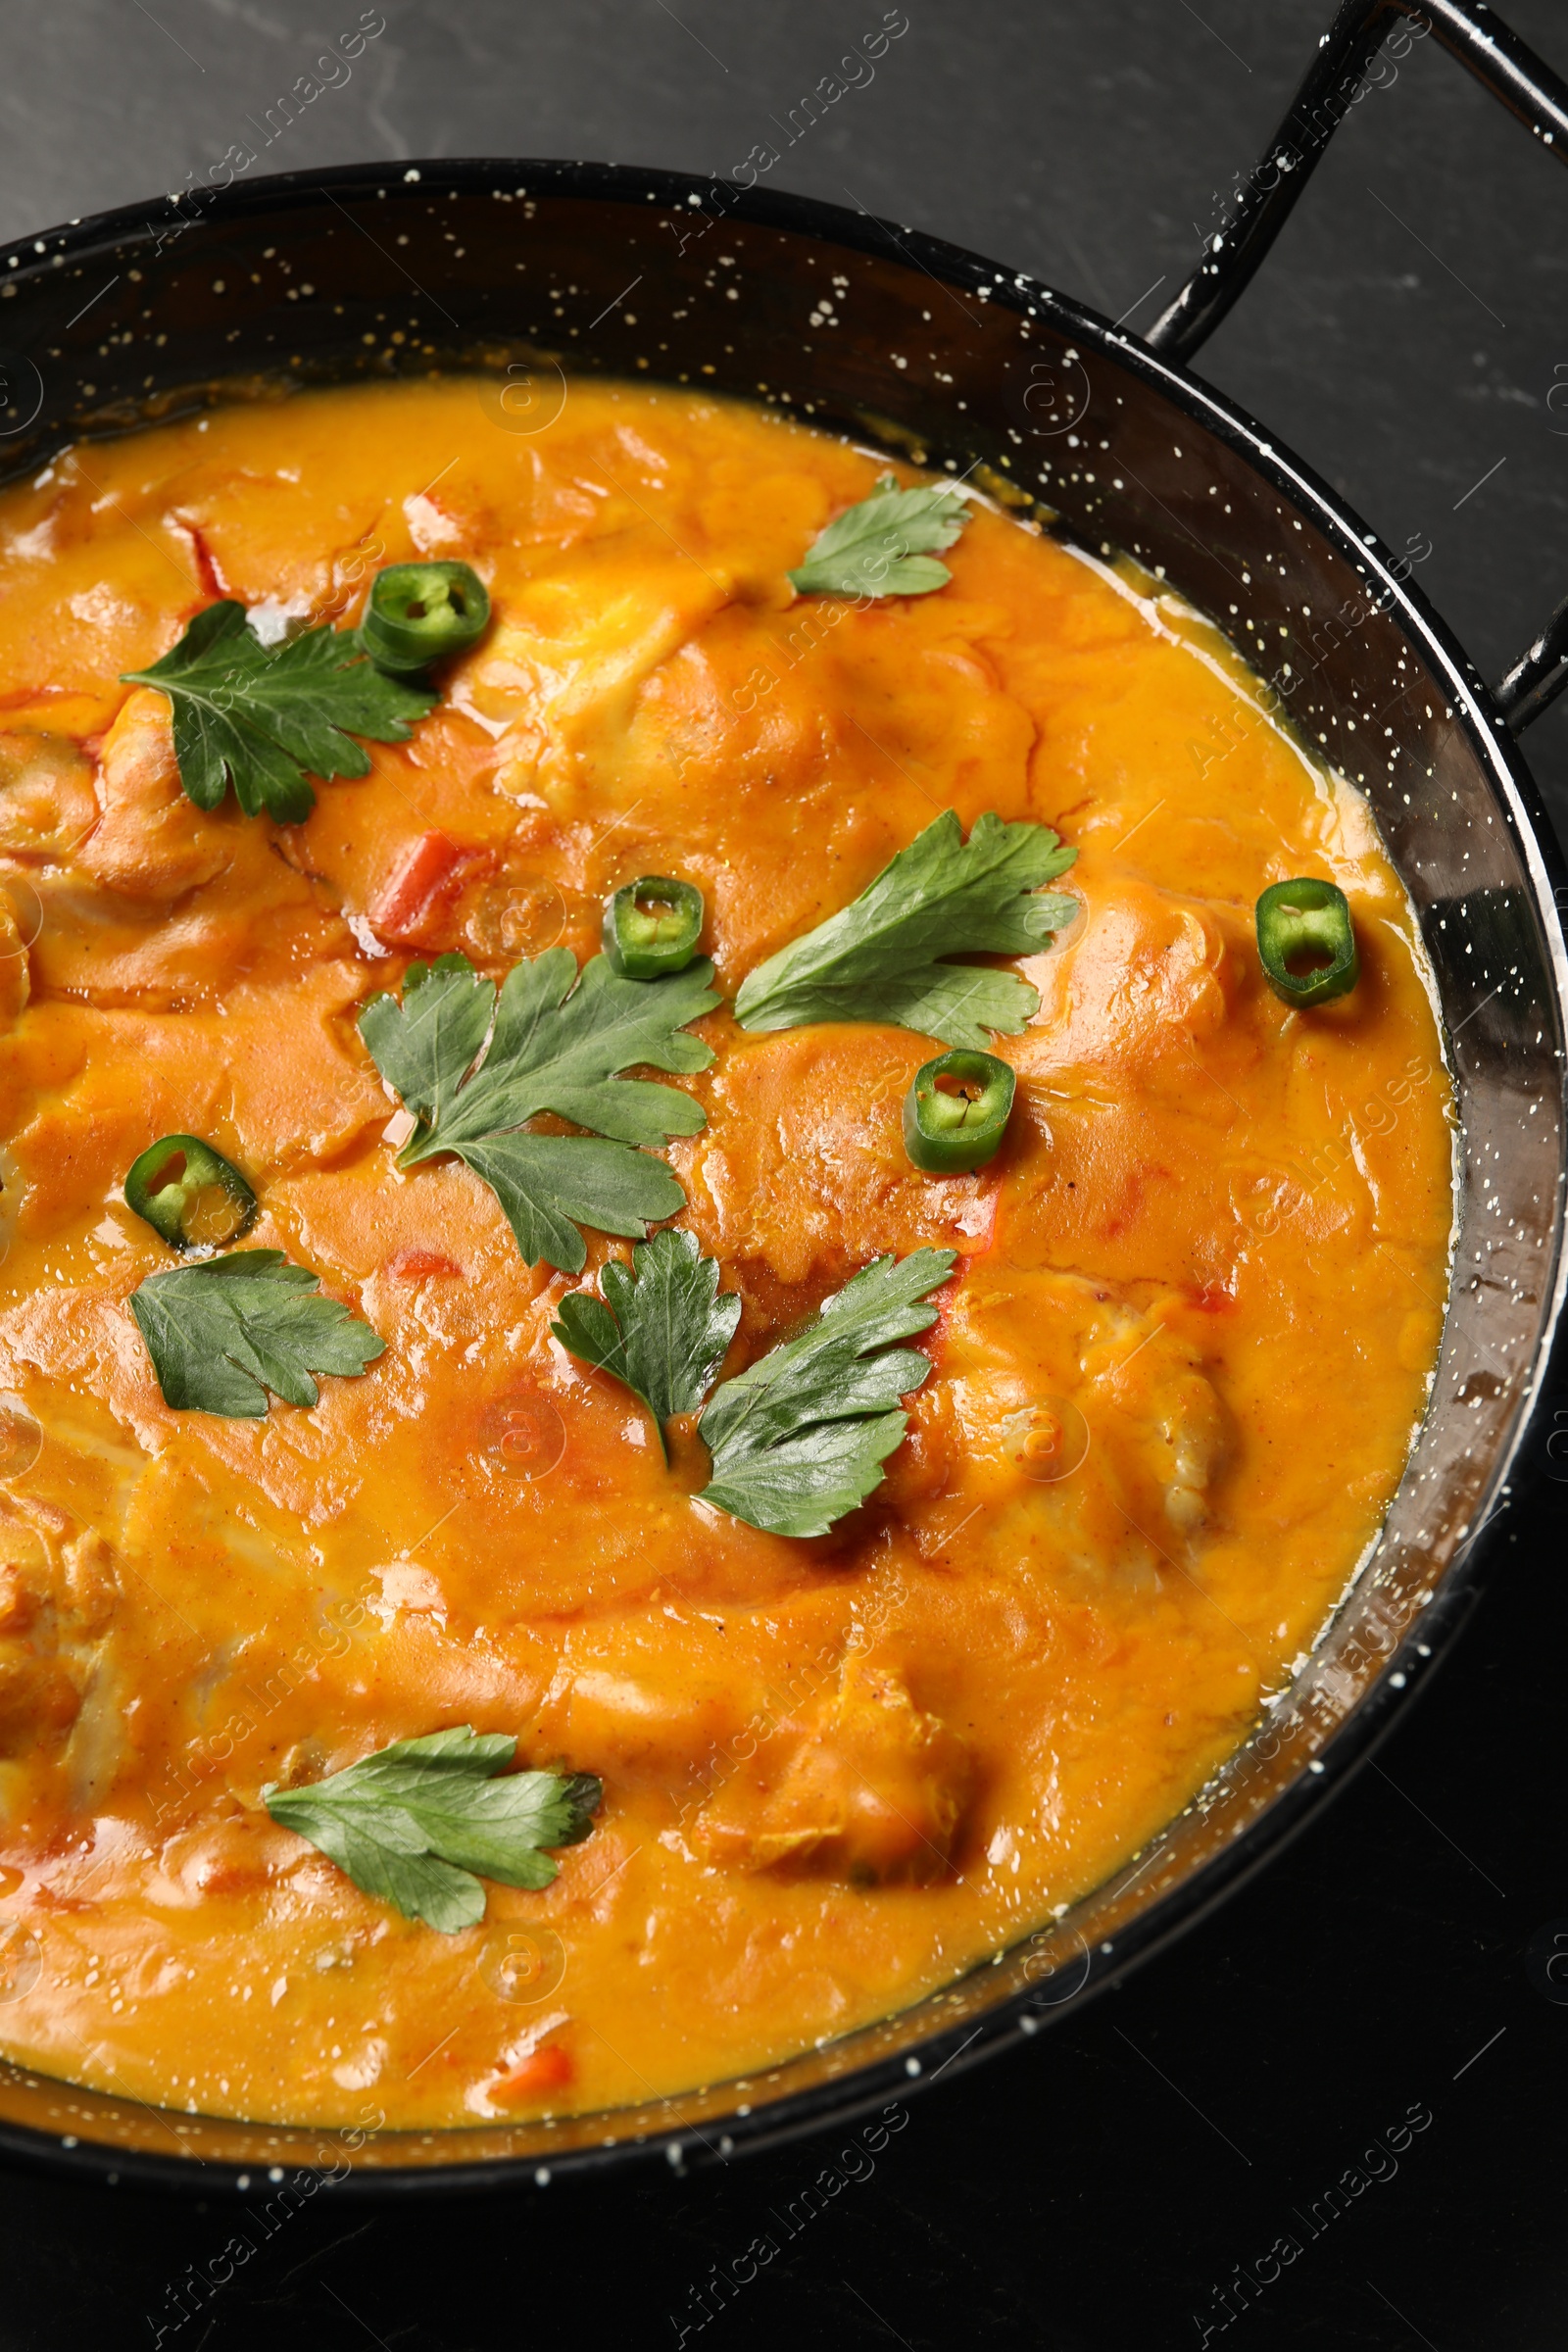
883	547
659	1326
943	895
800	1436
221	1332
415	1822
257	717
473	1067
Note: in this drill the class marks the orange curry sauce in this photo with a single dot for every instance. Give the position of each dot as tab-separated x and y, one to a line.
1213	1252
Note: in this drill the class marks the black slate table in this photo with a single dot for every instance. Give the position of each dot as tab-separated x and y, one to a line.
1361	2057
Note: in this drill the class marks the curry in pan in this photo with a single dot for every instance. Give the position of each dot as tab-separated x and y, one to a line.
727	1201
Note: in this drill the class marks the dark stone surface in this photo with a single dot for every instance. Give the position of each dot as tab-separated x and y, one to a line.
1094	2191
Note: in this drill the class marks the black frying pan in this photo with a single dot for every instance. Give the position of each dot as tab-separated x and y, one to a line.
529	271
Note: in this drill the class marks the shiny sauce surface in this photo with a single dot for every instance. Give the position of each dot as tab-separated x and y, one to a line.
1175	1377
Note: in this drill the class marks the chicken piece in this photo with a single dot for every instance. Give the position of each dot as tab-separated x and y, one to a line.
1146	1382
274	1097
659	1726
57	1602
1184	1444
457	522
563	665
47	803
1140	990
1038	1370
39	1696
874	1791
801	1165
150	842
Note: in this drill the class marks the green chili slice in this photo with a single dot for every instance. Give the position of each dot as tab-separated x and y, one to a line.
418	612
189	1194
956	1113
652	926
1306	941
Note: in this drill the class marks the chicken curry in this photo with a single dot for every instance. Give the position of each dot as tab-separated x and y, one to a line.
751	1325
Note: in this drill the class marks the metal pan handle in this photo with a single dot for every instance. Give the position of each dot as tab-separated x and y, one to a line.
1503	65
